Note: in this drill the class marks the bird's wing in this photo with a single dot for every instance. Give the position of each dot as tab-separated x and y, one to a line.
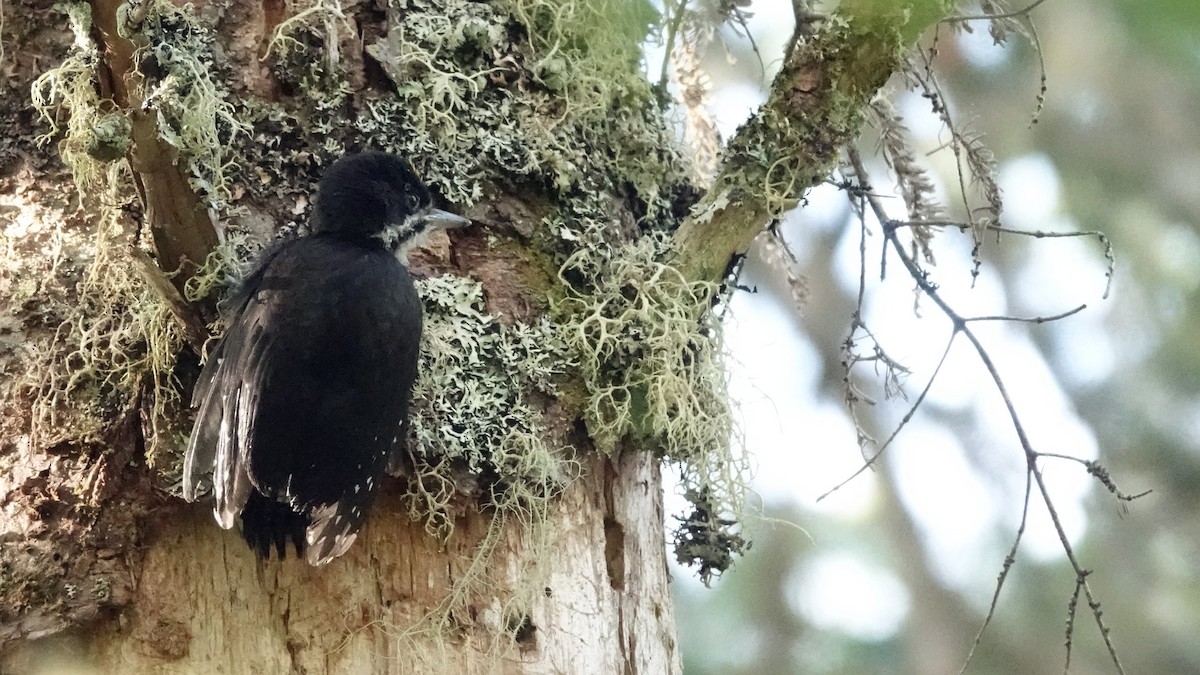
327	422
332	530
226	395
305	394
200	457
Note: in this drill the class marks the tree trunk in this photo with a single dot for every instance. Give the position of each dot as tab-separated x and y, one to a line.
578	587
597	600
565	354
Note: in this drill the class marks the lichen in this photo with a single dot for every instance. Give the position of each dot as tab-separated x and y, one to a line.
189	96
533	93
117	337
473	415
67	100
475	100
119	344
186	95
652	359
705	539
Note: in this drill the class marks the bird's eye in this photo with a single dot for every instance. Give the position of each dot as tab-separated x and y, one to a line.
412	203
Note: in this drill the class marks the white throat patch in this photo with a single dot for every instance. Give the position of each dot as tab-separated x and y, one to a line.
400	238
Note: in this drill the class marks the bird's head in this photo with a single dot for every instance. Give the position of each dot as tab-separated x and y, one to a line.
374	194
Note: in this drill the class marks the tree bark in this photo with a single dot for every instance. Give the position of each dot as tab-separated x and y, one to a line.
201	603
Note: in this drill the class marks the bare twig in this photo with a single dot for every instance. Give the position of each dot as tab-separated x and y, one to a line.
1110	256
1009	561
870	461
1031	319
961	325
986	17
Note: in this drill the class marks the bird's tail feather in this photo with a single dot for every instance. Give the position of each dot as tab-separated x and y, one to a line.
267	523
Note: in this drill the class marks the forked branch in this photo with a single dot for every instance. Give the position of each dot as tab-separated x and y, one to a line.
1035	479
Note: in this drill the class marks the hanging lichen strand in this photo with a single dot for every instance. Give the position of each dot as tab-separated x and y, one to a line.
651	356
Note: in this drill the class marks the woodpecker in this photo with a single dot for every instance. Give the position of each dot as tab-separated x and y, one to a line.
303	400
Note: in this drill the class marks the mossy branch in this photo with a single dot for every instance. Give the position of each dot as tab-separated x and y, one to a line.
180	227
817	104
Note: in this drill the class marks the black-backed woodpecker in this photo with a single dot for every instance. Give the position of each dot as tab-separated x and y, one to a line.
302	403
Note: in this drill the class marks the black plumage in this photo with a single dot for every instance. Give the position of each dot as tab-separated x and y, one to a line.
303	400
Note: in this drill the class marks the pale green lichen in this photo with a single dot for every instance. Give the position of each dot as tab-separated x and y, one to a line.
474	99
477	431
117	345
190	100
304	16
110	138
651	355
472	413
119	342
67	100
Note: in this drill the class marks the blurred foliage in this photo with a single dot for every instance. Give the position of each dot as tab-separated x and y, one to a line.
1166	29
1121	128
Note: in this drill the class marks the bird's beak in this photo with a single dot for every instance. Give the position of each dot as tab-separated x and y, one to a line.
440	219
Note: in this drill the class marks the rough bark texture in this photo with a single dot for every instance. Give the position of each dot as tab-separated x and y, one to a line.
201	603
69	510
